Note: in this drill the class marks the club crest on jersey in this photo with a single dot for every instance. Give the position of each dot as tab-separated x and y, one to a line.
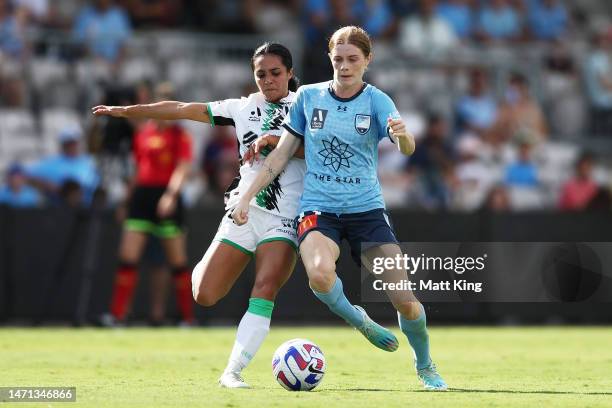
362	123
317	121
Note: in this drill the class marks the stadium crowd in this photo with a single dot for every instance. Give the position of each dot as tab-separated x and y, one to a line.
510	100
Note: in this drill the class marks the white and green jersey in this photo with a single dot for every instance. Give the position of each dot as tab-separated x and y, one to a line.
252	117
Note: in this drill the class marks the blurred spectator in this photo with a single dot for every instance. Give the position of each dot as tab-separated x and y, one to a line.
276	17
598	78
458	14
394	180
219	161
235	17
559	60
473	178
476	111
375	16
70	194
154	13
13	92
13	30
602	201
103	28
37	9
321	19
117	133
524	171
111	139
16	193
498	200
432	159
577	193
563	95
519	112
499	20
41	12
426	33
70	173
548	19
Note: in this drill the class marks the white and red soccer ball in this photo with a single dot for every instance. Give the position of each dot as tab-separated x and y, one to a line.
298	365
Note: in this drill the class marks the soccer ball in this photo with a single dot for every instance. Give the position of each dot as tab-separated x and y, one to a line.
298	365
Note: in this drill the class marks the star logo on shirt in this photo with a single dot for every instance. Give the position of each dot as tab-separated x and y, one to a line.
336	154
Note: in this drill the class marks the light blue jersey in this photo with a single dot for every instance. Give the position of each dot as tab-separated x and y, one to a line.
341	138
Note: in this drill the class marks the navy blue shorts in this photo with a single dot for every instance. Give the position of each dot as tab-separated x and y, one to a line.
372	226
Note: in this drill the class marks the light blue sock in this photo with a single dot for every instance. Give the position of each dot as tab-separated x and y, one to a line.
339	304
416	331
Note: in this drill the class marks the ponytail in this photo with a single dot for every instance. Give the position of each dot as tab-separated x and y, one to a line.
294	83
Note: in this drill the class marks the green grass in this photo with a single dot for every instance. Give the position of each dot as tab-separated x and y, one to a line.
518	367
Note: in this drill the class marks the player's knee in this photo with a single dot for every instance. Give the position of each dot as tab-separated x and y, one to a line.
321	274
321	282
205	297
410	309
321	265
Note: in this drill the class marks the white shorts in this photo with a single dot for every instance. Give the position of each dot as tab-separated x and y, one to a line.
262	227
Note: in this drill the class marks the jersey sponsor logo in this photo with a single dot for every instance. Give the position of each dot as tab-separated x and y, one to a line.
362	123
308	222
288	223
336	154
255	115
337	179
317	121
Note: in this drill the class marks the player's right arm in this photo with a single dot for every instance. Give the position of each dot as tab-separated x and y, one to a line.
165	110
275	162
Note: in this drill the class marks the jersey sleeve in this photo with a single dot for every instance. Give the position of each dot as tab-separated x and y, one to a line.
384	108
221	113
295	121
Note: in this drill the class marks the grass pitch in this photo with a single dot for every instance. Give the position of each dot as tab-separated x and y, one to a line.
518	367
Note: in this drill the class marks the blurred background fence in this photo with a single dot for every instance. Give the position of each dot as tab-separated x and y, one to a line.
49	273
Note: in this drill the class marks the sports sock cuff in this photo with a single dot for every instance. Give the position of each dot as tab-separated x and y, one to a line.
331	296
413	325
261	307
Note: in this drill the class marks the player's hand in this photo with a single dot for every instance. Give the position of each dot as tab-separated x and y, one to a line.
115	111
240	215
398	132
166	205
258	145
397	128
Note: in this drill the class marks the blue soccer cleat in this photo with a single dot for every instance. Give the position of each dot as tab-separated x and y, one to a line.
431	379
376	334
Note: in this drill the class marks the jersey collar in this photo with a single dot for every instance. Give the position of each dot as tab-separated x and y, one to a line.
286	99
338	98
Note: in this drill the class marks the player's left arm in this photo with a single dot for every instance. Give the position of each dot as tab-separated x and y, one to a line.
270	141
390	123
275	162
400	135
